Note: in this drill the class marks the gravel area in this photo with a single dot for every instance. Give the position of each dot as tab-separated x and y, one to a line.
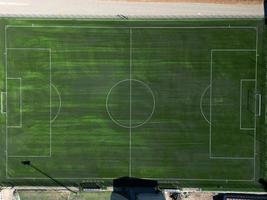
194	196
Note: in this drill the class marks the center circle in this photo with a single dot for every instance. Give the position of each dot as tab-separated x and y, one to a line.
130	103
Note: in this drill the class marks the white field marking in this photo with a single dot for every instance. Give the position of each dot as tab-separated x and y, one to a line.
211	64
226	50
160	179
34	49
189	143
70	50
107	99
6	164
241	96
59	98
247	129
145	121
248	79
20	103
200	104
6	64
259	107
29	156
210	150
231	158
130	112
204	27
218	104
137	27
255	119
50	87
2	106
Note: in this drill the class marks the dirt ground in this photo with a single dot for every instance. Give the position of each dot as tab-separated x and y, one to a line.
204	1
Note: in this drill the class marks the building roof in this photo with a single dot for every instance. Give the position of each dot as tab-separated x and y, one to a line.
145	196
116	196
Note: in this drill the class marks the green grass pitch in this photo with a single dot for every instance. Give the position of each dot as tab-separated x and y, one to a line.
172	100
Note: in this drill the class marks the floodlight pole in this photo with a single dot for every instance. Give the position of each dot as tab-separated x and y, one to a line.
28	163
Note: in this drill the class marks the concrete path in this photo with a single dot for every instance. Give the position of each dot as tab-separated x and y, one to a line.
7	194
106	8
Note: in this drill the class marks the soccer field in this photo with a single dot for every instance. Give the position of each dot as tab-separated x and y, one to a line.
172	100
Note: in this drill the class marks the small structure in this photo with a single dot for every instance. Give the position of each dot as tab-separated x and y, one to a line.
233	196
127	188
